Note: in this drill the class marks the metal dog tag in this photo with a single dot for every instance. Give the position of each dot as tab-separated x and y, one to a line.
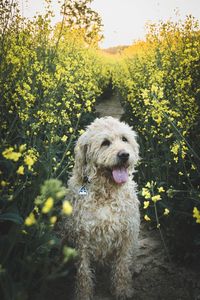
83	191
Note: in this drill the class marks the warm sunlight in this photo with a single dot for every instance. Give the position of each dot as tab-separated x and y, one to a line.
124	20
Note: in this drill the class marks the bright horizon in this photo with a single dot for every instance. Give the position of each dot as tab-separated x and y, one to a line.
124	20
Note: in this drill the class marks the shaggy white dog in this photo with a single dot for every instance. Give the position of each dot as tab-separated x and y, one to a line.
105	222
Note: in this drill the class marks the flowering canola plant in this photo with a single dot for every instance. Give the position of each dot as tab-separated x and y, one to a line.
49	82
158	80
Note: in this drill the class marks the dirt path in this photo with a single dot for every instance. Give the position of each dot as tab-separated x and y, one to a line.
157	278
110	107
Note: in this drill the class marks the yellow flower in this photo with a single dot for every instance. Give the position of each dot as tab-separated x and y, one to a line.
145	193
175	149
193	167
71	129
10	154
145	93
160	94
48	205
184	133
161	190
147	218
64	138
29	161
36	209
156	198
22	148
30	220
89	109
81	131
68	252
148	184
88	103
67	208
166	212
20	170
196	214
184	149
53	219
158	119
147	101
30	158
146	204
154	89
176	159
4	183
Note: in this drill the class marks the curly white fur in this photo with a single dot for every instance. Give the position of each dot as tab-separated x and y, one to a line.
105	222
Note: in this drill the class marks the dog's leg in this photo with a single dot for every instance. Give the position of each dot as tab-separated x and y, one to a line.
84	282
121	275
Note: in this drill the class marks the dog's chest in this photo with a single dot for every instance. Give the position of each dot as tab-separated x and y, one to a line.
104	214
104	222
111	220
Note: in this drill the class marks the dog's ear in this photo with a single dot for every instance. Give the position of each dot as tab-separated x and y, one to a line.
80	158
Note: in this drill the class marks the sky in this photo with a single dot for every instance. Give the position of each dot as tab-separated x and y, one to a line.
124	20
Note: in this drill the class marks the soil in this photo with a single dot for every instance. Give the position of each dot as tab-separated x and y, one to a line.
157	277
110	107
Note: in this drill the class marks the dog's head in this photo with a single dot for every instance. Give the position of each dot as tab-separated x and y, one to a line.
109	146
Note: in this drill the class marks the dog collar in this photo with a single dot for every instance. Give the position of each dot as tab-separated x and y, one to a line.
83	191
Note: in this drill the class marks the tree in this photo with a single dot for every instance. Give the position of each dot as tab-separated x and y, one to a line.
78	15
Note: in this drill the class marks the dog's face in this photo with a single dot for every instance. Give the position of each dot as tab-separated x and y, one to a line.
110	146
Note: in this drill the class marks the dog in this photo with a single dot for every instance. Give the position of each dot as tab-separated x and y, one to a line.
105	222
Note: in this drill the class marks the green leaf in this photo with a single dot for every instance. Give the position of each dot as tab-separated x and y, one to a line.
11	216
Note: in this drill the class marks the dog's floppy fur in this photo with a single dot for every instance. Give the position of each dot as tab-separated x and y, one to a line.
104	225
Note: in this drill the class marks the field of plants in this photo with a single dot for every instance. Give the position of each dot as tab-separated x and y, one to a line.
159	81
50	80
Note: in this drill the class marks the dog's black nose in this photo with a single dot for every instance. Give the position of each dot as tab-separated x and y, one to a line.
123	156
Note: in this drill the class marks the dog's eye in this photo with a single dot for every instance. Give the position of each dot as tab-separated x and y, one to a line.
106	143
124	139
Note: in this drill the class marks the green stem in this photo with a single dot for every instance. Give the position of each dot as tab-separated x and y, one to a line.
161	235
67	148
176	129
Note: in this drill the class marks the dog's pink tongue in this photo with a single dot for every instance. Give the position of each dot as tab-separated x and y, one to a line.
120	175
